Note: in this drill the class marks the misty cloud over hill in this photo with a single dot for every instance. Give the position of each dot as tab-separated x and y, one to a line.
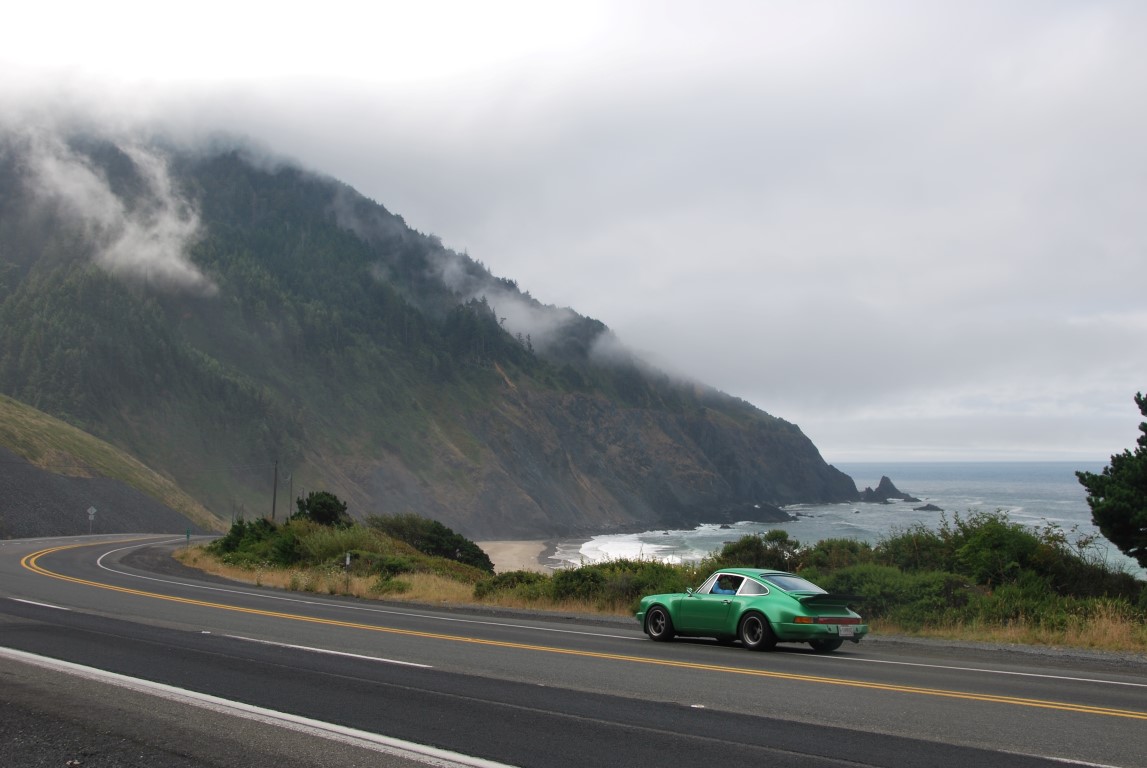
141	233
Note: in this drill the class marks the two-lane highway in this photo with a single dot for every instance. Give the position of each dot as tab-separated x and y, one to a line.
535	691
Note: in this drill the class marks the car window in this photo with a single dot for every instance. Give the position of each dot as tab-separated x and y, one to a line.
707	585
791	583
726	584
751	587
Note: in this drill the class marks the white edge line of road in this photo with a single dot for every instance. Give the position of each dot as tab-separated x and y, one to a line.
284	598
441	758
1065	678
327	651
42	605
1063	760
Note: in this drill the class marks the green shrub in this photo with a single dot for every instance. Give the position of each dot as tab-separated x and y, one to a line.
385	585
243	536
365	563
1026	599
833	554
323	508
285	547
627	581
432	538
911	599
881	586
583	583
1077	566
916	548
773	550
990	550
323	544
931	598
993	550
512	581
624	581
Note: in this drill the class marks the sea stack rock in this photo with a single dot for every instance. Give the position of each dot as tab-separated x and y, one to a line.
884	492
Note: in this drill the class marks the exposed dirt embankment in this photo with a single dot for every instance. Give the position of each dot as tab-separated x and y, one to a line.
37	502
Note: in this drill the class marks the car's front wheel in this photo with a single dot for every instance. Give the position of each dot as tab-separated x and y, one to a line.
756	634
658	625
825	646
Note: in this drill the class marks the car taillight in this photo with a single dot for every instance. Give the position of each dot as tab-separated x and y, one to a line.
802	620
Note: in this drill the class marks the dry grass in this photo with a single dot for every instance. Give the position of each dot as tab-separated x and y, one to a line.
412	587
509	600
1105	631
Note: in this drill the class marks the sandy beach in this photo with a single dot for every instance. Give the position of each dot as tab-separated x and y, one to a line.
515	555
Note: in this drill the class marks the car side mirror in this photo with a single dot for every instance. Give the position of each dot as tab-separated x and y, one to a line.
689	590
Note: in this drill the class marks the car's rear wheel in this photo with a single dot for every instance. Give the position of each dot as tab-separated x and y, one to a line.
658	625
756	633
825	646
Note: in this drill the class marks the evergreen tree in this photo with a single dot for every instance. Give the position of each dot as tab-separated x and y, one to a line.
323	508
1118	496
432	538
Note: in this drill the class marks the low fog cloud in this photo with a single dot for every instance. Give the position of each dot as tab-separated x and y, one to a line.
146	239
522	316
913	229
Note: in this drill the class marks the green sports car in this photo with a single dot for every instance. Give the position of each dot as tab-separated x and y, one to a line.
758	607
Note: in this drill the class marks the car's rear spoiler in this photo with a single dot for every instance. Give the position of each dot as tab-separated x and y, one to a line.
830	599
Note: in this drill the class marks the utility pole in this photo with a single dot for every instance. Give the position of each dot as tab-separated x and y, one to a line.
275	491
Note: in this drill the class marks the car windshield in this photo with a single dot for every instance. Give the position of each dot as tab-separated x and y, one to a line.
791	583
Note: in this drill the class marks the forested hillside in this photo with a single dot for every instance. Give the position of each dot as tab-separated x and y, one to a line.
254	331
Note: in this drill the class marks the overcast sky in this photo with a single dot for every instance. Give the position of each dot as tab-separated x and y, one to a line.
917	230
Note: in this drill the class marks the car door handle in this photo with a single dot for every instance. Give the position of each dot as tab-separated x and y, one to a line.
726	602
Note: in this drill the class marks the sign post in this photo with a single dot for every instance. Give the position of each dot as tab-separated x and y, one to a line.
91	517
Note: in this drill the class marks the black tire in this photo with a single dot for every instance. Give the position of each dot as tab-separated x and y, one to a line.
658	625
756	633
825	646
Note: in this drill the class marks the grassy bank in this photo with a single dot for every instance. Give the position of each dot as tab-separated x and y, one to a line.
422	588
977	578
50	443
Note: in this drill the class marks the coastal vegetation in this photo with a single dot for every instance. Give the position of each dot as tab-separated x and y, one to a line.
1118	496
978	576
319	548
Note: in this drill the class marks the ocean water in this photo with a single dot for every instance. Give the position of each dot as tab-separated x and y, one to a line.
1031	493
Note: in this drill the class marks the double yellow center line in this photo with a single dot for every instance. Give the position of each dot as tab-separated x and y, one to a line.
31	562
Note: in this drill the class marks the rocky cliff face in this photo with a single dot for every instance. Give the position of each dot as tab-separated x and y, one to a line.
568	464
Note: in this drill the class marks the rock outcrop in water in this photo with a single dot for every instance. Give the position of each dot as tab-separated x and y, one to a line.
885	491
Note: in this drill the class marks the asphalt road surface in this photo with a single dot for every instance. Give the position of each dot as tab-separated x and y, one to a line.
117	657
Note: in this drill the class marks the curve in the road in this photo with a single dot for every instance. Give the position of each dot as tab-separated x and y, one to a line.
31	563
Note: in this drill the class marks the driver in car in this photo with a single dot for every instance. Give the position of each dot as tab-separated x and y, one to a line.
724	586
